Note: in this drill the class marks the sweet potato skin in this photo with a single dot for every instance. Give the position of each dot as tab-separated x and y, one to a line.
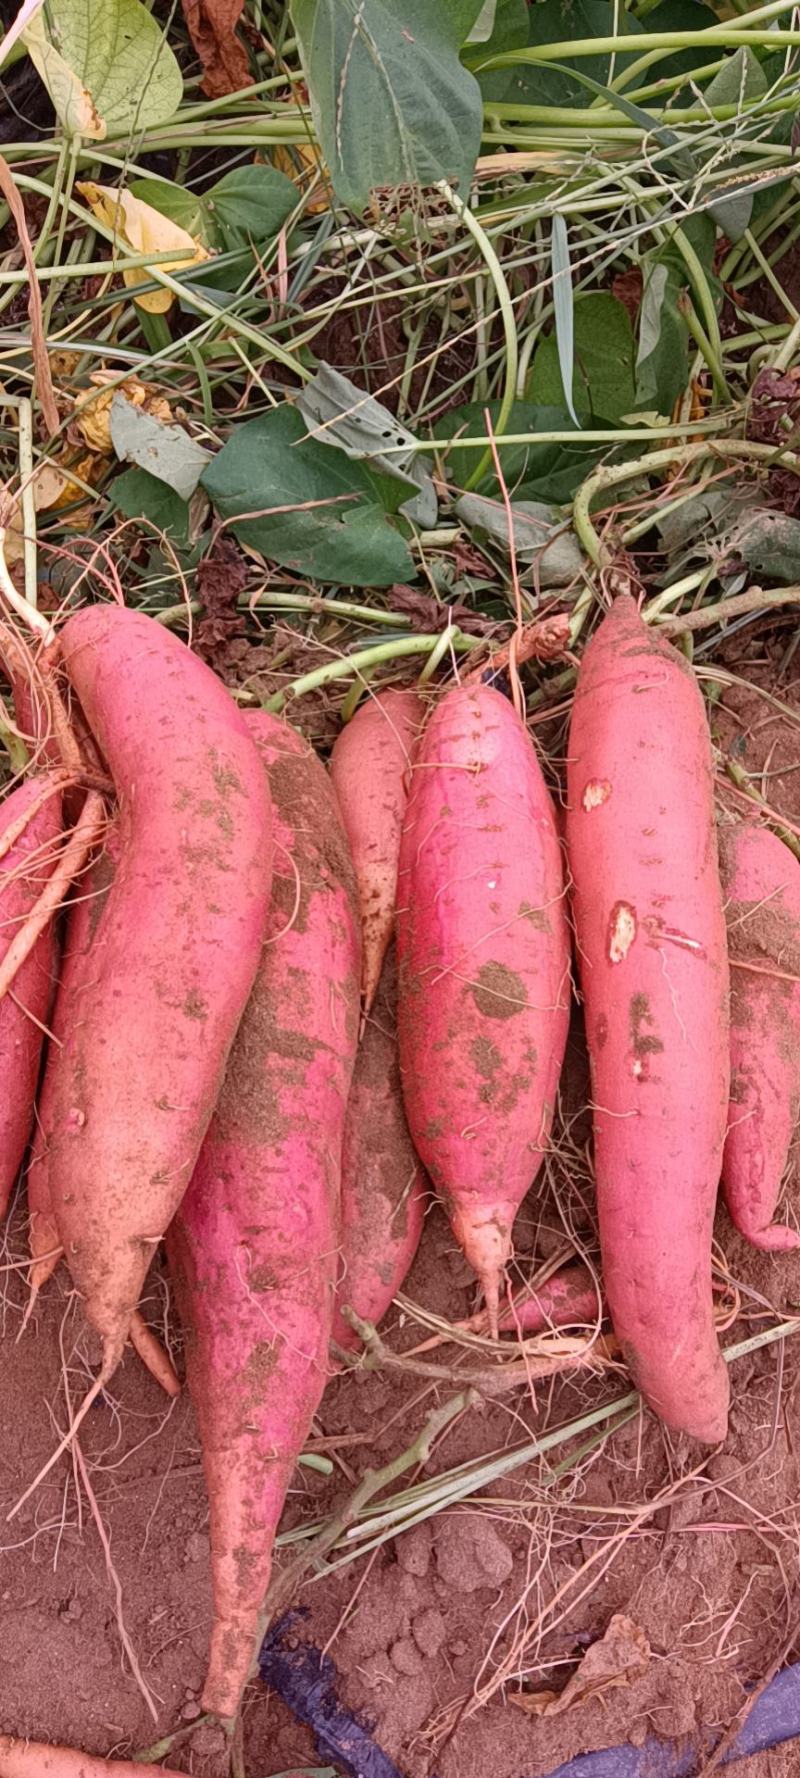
153	1015
254	1247
383	1185
37	1759
650	937
484	984
761	880
371	768
24	871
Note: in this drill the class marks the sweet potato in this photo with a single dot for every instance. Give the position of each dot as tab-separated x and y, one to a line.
30	822
761	880
650	934
253	1249
370	768
82	918
568	1299
383	1185
153	1012
483	952
37	1759
43	1238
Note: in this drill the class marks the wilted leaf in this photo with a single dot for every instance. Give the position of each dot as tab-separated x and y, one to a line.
212	28
392	103
540	536
620	1657
57	485
338	413
93	417
164	451
118	53
139	228
310	508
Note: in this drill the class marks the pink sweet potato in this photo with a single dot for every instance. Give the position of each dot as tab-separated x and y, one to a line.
82	918
254	1247
383	1185
44	1240
30	819
484	985
761	880
568	1299
650	934
37	1759
153	1012
370	768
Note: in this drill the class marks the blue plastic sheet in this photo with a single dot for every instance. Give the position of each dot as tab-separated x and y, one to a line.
306	1681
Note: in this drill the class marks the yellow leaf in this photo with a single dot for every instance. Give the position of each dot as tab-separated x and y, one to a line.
93	417
138	228
55	488
302	163
73	103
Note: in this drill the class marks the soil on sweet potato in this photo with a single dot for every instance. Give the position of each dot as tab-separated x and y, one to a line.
418	1629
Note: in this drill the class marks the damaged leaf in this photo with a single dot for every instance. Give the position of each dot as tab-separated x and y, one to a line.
338	413
540	536
164	451
768	543
303	505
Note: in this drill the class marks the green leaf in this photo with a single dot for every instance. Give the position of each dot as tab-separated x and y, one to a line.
336	529
603	379
510	32
464	16
556	21
142	496
532	471
681	15
661	362
251	203
117	50
391	101
164	451
740	77
483	27
187	208
564	311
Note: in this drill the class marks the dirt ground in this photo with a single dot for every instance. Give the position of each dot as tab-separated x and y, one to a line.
525	1577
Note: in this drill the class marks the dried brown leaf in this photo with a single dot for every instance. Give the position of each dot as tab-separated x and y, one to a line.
620	1656
41	362
212	28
